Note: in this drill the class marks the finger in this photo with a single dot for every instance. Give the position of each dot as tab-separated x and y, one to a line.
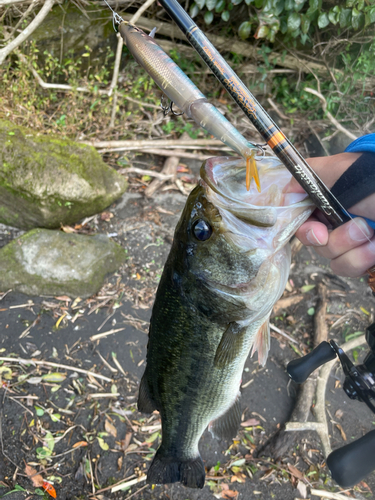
345	238
313	233
356	262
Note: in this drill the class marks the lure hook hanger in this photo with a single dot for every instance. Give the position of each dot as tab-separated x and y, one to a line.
116	18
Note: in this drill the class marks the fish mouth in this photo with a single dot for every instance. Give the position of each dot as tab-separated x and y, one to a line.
225	181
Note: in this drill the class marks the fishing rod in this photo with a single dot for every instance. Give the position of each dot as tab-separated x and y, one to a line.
275	138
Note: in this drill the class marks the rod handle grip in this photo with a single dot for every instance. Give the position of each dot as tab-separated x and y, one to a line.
353	462
299	369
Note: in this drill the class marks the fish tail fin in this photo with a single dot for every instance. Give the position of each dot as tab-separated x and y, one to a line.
164	470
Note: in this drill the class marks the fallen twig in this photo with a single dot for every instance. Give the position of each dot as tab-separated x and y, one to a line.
330	494
169	172
280	113
113	370
286	302
102	395
136	492
5	293
23	406
126	484
105	334
117	363
179	153
280	332
143	171
155	143
55	365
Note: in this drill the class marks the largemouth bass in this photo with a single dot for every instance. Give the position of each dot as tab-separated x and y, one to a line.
228	265
182	91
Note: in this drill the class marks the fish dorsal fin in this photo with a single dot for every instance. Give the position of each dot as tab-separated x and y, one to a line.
262	342
230	346
226	426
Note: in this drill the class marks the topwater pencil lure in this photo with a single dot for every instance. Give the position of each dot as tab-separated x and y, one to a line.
182	92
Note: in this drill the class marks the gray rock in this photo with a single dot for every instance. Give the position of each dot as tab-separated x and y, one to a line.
45	262
46	181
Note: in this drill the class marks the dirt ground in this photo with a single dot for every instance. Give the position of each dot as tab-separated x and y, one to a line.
83	434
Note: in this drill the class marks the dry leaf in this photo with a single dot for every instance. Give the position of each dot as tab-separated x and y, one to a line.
125	442
68	229
79	444
339	414
54	377
298	474
229	494
238	477
302	489
49	489
106	216
250	423
119	463
103	445
36	478
110	428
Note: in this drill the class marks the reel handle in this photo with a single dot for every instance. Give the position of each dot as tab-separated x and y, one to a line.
353	462
300	369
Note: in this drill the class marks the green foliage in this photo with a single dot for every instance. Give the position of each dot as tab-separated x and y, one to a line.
293	19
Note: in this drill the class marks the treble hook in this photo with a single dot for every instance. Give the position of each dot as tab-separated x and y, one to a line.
168	108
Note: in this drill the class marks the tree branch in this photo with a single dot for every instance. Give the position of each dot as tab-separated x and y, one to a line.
27	31
329	116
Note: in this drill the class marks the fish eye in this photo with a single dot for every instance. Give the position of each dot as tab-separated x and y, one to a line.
201	230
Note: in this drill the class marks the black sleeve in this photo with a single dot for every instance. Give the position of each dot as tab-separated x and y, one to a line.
357	182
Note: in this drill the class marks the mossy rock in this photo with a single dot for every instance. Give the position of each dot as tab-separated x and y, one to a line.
46	181
45	262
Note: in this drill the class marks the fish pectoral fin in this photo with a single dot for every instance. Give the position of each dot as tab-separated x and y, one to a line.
145	402
230	346
262	342
167	469
226	426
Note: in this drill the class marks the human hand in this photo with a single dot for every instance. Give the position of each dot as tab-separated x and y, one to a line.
347	246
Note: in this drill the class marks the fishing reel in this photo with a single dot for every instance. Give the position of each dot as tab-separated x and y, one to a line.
351	463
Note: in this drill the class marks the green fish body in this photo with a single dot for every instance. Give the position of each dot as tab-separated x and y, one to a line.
228	265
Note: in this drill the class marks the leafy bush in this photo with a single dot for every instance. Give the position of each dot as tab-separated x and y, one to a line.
294	19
